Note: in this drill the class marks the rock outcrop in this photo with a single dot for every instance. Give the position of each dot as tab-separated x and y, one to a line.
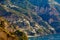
8	33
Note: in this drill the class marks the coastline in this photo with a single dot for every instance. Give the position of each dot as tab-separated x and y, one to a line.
33	36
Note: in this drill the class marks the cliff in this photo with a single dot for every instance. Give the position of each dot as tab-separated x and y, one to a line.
28	17
9	33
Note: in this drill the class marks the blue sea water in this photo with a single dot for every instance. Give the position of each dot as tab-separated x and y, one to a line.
47	37
57	1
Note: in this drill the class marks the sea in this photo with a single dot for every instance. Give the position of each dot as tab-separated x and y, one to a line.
47	37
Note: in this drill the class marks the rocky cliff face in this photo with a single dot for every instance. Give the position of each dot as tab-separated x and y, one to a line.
30	18
8	32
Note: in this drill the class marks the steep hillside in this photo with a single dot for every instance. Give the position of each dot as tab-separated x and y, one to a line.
8	32
27	17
